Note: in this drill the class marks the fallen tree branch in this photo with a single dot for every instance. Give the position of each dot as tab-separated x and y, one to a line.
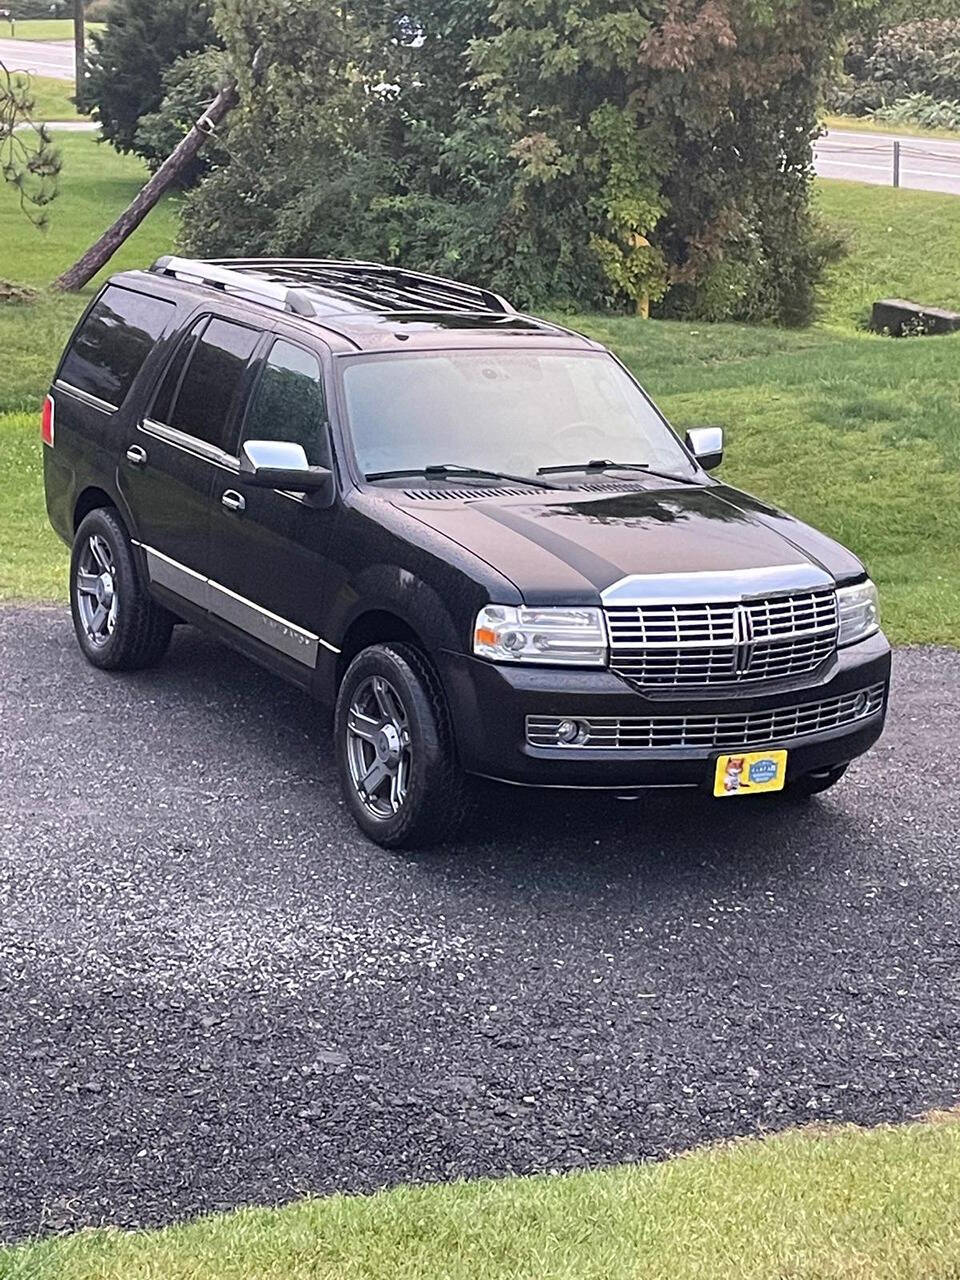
99	254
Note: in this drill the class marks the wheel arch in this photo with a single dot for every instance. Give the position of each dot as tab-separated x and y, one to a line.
90	499
375	625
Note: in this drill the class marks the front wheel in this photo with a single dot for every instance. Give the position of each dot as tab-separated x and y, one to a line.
394	746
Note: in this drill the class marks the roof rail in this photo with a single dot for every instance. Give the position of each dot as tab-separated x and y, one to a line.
242	284
304	285
374	281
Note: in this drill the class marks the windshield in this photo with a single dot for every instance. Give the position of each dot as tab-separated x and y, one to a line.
510	411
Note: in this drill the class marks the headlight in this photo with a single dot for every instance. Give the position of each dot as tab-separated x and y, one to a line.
571	637
859	612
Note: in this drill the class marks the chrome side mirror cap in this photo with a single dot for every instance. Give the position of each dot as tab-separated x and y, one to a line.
706	445
280	464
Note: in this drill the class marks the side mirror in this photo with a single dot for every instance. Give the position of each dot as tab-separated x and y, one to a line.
706	445
280	464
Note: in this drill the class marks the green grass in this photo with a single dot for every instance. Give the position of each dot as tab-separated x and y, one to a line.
53	99
95	185
865	124
45	28
860	435
841	1204
903	244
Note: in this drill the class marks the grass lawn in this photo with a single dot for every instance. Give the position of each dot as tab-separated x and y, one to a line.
882	1204
866	124
856	433
53	99
904	244
45	28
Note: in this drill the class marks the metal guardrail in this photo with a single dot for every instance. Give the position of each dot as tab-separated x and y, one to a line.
894	155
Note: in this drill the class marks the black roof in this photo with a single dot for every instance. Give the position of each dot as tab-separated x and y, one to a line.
367	303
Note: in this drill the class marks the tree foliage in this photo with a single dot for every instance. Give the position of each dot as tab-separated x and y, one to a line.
141	42
584	152
189	85
29	162
883	67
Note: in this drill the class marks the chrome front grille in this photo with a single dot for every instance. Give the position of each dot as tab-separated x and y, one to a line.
739	731
675	645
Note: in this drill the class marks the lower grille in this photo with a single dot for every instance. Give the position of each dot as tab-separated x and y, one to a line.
752	728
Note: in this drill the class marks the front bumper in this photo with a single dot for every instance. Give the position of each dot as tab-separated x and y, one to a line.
490	704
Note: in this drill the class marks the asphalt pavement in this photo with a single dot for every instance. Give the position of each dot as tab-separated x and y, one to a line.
926	164
214	992
55	59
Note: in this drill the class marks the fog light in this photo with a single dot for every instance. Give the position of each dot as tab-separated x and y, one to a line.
860	704
570	732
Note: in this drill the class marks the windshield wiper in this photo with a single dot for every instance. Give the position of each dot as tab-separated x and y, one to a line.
452	469
604	464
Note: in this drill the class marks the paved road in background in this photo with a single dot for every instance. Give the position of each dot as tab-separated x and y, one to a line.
53	58
926	164
213	991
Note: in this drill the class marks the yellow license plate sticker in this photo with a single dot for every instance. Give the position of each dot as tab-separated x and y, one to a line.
748	773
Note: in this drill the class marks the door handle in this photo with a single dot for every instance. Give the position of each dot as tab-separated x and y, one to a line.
136	456
233	501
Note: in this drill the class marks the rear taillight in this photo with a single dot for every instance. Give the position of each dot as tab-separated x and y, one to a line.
46	421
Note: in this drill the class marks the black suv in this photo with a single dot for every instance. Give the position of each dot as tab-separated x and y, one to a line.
468	530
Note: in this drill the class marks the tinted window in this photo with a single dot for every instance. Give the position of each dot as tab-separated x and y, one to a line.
202	406
288	403
166	392
113	342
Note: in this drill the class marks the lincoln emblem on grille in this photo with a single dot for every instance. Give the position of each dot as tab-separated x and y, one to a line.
743	640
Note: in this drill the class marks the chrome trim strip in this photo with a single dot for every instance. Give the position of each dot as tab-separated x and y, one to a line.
175	576
296	642
202	451
189	444
281	634
85	397
715	585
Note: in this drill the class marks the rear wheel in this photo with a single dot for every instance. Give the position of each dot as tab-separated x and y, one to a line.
811	784
398	768
119	627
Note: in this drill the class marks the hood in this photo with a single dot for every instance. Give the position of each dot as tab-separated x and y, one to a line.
565	548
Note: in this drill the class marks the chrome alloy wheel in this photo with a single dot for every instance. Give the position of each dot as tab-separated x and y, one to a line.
378	747
96	584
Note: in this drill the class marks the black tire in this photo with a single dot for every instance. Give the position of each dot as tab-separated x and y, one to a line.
436	792
811	784
138	632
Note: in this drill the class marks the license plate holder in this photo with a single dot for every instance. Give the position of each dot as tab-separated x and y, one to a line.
749	773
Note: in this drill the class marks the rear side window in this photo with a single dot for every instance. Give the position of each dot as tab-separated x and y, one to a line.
111	345
203	403
288	403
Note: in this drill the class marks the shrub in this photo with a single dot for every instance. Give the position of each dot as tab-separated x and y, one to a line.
142	40
898	62
596	157
921	109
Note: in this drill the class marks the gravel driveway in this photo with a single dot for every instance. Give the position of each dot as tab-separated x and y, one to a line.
213	991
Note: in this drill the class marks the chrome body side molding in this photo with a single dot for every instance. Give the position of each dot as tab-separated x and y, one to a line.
279	633
85	397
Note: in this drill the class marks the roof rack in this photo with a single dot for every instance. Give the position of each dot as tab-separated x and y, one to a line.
318	286
256	289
